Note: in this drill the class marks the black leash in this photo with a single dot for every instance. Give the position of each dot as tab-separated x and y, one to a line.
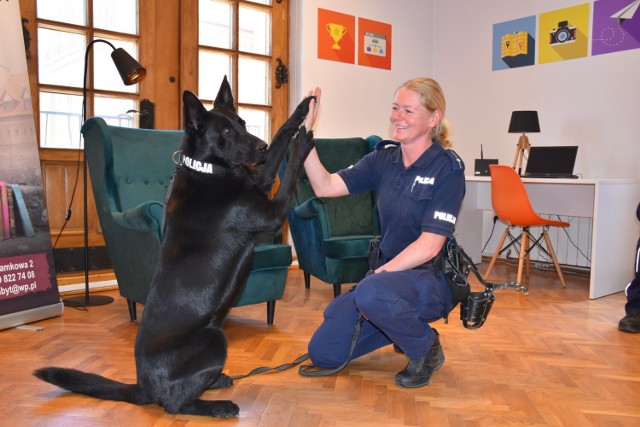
307	370
277	368
475	307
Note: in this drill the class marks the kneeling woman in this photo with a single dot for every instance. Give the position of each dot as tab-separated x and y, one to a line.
419	185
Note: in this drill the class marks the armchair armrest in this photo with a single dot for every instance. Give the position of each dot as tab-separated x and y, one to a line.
146	217
314	207
309	208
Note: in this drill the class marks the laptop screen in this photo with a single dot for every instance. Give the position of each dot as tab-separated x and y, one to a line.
551	160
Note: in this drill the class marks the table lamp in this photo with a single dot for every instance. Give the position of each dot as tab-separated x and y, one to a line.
523	122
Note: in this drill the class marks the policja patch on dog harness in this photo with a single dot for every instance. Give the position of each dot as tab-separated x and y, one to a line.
197	165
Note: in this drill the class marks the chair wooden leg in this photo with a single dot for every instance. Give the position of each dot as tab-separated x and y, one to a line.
271	311
524	244
132	310
547	240
495	254
528	256
337	288
307	280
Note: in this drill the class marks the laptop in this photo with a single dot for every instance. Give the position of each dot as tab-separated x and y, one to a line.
551	162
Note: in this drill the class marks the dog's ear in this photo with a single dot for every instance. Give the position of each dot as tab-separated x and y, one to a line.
224	99
193	112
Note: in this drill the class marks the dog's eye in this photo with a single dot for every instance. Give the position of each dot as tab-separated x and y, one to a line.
226	131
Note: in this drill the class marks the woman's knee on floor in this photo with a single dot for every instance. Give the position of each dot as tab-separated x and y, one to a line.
325	352
329	346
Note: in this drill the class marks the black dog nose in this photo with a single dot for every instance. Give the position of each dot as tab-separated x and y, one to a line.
263	147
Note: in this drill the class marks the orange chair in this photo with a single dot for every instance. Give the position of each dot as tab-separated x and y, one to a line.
512	206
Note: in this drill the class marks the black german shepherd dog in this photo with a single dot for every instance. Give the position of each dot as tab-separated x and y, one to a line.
216	207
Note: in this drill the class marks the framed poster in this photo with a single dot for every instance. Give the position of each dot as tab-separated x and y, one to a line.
336	36
514	44
616	26
374	46
564	34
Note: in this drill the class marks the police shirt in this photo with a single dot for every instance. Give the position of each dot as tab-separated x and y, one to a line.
426	196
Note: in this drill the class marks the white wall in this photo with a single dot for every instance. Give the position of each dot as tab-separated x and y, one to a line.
593	102
356	100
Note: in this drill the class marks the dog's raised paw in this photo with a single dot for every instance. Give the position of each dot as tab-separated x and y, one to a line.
304	140
302	110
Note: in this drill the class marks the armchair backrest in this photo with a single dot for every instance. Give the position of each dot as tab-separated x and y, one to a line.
346	215
137	162
130	172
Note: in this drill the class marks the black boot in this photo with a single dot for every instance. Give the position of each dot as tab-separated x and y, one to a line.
630	323
418	371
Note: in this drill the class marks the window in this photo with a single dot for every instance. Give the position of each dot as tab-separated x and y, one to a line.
235	39
65	28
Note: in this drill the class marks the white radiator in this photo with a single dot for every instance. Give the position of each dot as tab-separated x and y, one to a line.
572	244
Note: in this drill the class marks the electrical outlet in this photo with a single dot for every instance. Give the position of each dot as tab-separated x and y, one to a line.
542	266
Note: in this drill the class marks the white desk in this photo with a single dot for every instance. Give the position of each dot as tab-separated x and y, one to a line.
610	202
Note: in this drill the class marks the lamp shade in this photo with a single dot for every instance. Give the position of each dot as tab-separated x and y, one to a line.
130	70
524	121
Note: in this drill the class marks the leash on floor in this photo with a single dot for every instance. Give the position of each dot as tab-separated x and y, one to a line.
309	370
473	310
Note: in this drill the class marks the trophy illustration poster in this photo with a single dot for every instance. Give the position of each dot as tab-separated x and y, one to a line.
336	36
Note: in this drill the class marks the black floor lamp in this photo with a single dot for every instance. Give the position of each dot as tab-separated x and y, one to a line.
131	73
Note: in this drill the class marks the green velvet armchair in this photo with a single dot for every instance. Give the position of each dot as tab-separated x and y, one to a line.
130	171
331	235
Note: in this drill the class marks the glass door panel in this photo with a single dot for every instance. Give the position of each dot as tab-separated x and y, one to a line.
212	67
253	81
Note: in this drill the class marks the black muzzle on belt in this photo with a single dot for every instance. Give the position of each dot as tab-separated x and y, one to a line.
456	265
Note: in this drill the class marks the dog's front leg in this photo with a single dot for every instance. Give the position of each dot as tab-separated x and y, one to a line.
303	145
267	171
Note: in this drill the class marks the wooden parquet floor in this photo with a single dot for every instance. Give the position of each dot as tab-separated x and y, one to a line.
549	358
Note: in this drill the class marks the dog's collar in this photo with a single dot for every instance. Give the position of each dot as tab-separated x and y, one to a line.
196	165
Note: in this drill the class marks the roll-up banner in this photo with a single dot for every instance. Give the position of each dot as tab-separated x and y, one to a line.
28	285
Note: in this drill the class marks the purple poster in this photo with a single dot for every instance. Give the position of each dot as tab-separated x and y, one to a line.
616	26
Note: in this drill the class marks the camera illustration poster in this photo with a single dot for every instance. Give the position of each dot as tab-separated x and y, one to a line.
514	44
28	286
616	26
563	34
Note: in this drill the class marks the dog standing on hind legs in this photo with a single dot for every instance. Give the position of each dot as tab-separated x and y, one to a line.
216	208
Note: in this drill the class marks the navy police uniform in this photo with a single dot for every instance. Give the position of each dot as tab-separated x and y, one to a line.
397	306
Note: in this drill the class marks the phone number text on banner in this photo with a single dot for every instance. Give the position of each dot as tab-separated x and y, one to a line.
24	274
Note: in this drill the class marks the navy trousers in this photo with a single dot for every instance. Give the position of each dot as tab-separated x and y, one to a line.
633	288
397	308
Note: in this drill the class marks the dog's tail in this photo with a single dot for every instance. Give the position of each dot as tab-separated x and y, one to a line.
92	385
